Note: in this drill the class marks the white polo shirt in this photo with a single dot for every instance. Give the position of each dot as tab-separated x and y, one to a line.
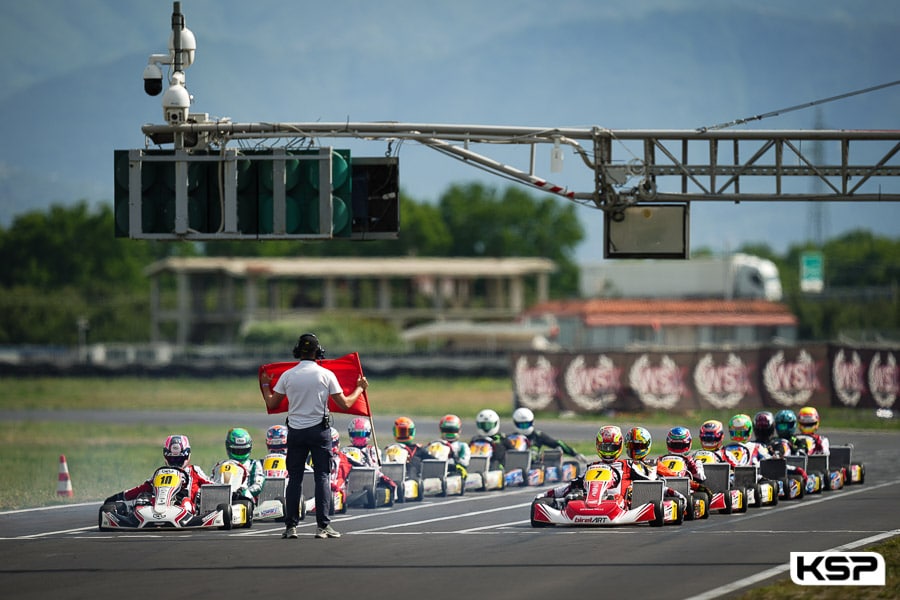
307	387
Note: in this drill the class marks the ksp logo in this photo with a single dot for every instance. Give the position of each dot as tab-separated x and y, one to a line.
837	568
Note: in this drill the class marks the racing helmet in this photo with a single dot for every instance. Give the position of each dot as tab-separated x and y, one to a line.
404	430
177	450
524	420
238	443
637	442
359	429
785	423
808	420
276	439
609	443
740	427
678	440
450	426
488	422
335	439
764	425
712	434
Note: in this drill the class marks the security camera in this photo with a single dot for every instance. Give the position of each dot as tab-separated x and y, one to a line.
153	79
176	101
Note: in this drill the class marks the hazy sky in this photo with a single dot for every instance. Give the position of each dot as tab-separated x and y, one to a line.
72	83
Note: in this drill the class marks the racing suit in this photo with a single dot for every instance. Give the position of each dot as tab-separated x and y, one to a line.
340	468
196	478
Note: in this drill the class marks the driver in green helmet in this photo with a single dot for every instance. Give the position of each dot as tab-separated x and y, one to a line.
238	446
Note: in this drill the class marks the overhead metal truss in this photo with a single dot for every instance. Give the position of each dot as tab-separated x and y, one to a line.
629	166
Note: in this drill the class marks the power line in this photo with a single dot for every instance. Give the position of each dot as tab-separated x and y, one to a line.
775	113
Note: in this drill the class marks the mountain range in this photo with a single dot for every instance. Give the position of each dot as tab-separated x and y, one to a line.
73	91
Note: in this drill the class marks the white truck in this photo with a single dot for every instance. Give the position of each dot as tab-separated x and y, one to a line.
737	276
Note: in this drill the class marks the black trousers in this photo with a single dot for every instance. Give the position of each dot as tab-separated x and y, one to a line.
302	443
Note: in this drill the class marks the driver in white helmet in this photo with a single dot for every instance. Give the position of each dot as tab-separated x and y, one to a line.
488	424
523	419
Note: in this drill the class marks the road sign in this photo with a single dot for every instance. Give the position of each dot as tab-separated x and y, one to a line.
812	272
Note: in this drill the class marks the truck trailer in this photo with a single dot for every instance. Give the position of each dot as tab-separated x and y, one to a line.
737	276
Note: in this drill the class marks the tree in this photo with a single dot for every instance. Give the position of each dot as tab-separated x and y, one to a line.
487	223
65	265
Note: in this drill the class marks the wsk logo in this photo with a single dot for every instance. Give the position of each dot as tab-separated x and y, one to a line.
837	568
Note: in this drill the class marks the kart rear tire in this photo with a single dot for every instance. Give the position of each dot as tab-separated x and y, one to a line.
540	501
370	498
658	517
227	516
682	512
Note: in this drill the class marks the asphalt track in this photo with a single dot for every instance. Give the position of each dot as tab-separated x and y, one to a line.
480	544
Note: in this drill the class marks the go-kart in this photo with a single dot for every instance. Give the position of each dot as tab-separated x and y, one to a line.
270	502
409	489
726	499
480	476
162	509
758	490
308	497
235	475
519	469
841	458
674	471
367	486
439	476
599	503
791	485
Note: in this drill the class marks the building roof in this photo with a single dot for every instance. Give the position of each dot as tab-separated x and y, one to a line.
355	267
661	312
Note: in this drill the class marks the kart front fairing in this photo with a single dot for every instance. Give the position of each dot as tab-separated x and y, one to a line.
601	504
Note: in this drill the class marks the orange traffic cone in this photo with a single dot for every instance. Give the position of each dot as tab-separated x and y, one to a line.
64	487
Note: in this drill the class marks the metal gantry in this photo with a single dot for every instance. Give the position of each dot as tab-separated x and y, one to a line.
628	166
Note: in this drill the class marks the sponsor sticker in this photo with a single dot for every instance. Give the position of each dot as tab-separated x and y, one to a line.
837	568
594	520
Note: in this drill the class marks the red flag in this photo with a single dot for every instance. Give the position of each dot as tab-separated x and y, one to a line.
347	368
